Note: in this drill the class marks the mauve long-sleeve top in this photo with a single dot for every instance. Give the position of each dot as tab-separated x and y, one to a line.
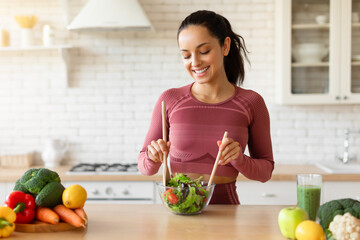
194	127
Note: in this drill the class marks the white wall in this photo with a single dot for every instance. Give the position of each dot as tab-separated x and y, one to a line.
116	77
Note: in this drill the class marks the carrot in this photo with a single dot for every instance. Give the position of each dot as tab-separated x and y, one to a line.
46	215
81	212
68	215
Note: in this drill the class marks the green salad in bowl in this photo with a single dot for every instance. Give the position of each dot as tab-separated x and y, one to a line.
184	196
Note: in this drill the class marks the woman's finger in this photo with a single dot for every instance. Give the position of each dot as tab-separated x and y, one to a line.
232	155
157	147
230	145
225	143
162	146
153	153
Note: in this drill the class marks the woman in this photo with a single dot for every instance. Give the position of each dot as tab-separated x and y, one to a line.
198	114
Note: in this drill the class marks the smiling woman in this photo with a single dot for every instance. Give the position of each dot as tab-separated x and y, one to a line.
198	114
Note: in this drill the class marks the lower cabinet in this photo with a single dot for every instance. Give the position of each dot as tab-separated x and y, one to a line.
269	193
2	191
337	190
5	189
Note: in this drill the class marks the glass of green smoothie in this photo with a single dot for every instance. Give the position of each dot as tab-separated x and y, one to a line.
309	193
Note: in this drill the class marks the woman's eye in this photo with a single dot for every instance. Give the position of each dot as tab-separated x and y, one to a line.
206	52
186	57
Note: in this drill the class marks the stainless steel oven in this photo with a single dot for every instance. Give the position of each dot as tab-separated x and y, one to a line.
113	191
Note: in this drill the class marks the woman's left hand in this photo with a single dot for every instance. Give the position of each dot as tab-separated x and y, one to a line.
231	150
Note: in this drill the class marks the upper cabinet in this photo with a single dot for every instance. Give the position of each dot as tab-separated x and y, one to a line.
318	51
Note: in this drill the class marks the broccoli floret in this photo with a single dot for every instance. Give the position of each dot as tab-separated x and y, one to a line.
47	175
20	187
326	211
347	203
356	207
35	185
351	211
28	175
36	179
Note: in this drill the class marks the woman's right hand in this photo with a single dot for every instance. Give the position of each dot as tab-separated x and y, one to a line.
157	149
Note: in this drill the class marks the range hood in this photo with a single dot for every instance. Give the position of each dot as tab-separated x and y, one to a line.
100	15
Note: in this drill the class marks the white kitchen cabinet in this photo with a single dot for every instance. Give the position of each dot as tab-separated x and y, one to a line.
269	193
5	189
334	78
3	192
120	192
336	190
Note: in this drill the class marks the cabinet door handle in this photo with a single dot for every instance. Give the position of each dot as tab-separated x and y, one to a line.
268	195
337	97
345	97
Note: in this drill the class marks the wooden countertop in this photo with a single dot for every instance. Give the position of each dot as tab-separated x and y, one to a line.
157	222
281	173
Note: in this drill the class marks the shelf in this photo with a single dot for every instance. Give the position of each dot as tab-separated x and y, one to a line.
355	63
315	64
34	48
310	26
62	49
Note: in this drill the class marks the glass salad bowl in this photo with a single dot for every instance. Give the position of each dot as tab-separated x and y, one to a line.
187	198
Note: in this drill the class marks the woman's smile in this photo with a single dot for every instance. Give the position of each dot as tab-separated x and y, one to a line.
201	71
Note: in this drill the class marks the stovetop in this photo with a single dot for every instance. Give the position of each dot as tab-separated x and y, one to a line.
104	169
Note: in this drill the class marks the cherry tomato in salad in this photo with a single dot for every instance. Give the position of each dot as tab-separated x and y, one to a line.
204	200
168	191
172	198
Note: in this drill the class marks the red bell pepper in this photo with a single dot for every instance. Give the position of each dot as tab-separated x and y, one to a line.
23	205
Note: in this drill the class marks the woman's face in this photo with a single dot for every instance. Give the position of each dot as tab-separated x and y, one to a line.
203	56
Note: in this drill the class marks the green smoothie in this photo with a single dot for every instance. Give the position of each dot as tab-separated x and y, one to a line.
308	197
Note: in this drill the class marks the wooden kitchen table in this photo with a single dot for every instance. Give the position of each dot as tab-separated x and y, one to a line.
156	222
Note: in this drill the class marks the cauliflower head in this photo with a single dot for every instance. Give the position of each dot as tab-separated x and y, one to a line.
345	227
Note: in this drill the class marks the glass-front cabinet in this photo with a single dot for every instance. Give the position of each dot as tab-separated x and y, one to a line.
318	51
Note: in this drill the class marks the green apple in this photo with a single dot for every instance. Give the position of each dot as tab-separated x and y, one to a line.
288	220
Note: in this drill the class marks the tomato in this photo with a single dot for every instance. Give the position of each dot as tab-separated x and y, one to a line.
204	200
168	191
172	198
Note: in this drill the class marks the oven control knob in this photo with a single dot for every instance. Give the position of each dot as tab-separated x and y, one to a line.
126	192
95	192
109	190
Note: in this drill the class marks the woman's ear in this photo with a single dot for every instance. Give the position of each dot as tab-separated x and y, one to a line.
227	43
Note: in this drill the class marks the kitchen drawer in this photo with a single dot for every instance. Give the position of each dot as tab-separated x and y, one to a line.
117	192
337	190
269	193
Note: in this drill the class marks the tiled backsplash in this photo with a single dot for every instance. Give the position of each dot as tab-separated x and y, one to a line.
116	77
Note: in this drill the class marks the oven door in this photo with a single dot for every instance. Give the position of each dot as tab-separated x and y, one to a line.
129	192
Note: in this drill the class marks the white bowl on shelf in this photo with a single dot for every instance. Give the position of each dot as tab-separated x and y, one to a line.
309	52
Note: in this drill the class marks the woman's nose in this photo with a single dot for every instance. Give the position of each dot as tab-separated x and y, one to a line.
196	61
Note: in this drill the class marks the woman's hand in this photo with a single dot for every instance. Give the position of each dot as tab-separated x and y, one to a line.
231	150
157	149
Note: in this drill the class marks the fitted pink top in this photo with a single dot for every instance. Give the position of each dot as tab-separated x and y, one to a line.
195	127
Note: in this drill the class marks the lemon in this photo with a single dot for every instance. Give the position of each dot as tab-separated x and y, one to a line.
309	230
74	196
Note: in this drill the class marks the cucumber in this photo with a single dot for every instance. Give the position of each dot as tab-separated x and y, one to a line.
50	195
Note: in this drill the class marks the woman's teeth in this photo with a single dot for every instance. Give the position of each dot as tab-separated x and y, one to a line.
201	71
